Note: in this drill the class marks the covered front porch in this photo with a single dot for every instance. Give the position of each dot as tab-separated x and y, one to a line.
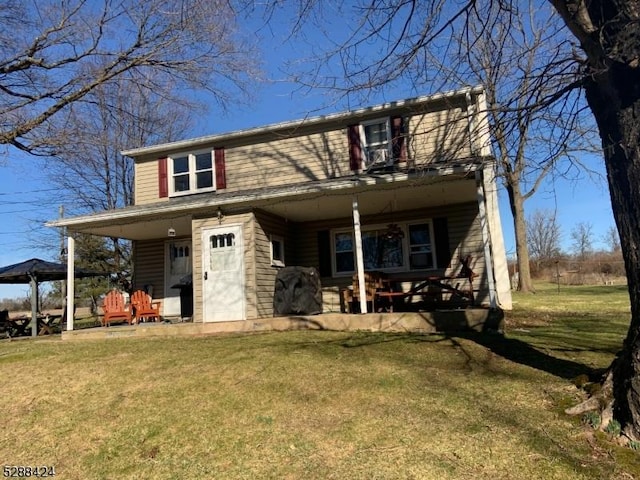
358	201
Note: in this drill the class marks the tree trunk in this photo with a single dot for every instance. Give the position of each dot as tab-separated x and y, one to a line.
614	97
516	202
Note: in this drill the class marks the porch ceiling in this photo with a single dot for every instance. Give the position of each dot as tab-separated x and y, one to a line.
382	199
383	194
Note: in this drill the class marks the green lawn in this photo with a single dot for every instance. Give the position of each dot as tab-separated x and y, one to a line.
323	405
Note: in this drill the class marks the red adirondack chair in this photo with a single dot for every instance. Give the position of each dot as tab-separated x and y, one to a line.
145	308
115	309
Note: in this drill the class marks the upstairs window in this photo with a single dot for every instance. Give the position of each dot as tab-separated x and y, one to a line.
376	143
191	173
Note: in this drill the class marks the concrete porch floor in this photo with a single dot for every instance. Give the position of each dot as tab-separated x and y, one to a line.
470	319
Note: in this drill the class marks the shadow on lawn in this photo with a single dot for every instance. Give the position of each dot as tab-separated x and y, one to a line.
454	327
521	352
512	349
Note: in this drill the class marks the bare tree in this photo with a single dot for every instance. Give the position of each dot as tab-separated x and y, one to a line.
52	54
532	138
89	168
605	65
612	240
582	237
543	235
114	117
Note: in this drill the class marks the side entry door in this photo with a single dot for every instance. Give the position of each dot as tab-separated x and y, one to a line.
178	265
223	274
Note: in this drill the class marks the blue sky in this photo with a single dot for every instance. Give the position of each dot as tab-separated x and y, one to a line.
26	196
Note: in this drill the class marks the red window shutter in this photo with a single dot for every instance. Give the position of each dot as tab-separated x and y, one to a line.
398	140
221	179
355	148
163	181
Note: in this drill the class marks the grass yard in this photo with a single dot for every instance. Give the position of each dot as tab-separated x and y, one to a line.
323	405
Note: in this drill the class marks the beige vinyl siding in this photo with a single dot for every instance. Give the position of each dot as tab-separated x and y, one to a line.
146	182
198	224
465	238
439	137
286	161
267	225
149	262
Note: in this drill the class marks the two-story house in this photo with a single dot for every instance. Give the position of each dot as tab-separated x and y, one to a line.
231	209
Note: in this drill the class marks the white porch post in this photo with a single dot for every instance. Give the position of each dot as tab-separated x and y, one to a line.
498	254
359	256
486	239
71	254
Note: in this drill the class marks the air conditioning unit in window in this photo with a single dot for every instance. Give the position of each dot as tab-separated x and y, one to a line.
378	158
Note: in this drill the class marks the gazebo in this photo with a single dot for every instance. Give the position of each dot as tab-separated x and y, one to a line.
34	272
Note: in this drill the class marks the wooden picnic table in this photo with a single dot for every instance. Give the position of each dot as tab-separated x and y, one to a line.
18	325
422	285
46	323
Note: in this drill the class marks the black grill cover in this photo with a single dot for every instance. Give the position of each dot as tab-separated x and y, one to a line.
297	292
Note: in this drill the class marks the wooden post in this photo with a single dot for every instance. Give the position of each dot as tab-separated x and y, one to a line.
34	306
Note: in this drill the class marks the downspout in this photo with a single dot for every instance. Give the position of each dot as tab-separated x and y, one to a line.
357	234
71	255
486	241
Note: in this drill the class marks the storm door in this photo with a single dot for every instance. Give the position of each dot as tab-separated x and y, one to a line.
223	274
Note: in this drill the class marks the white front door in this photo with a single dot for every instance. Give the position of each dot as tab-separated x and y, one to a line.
223	274
178	264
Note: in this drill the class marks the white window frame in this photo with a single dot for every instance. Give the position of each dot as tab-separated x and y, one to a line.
404	226
429	224
274	261
192	173
367	147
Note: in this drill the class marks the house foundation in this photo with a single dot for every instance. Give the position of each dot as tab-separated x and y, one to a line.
441	321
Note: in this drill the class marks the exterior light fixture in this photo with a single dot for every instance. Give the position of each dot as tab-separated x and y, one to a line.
394	231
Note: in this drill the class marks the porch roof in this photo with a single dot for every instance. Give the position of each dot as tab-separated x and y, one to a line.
310	201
